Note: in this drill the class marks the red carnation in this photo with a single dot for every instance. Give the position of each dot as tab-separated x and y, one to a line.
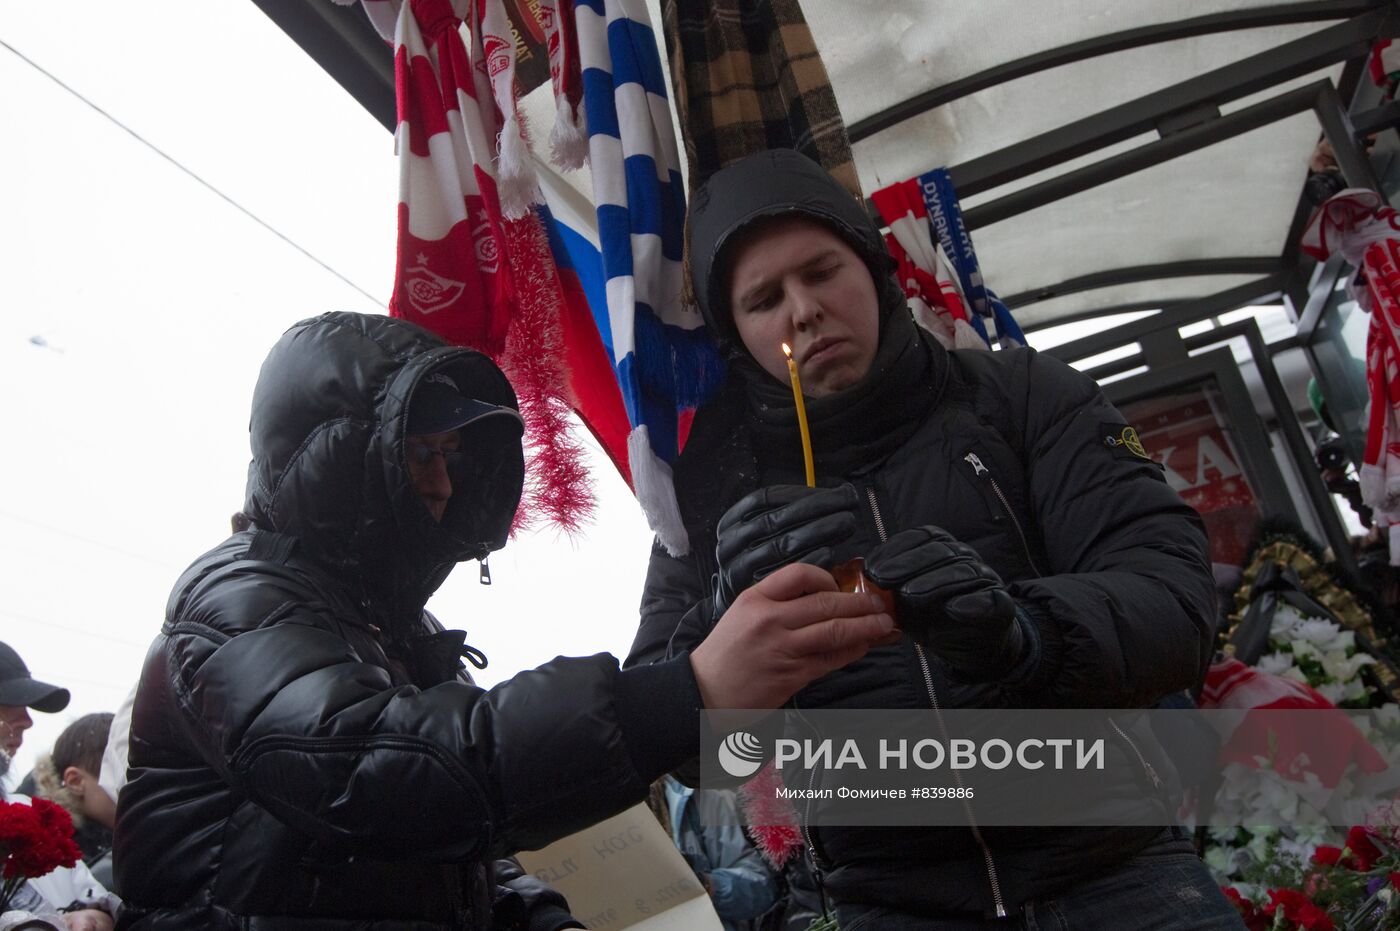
1298	908
1361	846
1327	855
1254	919
35	840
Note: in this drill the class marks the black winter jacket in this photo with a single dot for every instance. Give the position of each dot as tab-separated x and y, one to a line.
1015	454
305	752
1103	557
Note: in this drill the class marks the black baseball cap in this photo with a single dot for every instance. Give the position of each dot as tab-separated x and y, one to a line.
439	406
17	687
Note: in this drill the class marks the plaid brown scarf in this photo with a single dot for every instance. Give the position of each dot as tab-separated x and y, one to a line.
748	77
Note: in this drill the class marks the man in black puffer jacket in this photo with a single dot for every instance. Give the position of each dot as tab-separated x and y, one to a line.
1032	548
306	750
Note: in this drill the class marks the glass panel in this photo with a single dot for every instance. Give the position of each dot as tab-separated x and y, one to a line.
1272	320
1013	111
936	44
1069	332
1168	213
1119	376
1338	352
1165	290
1189	432
1107	356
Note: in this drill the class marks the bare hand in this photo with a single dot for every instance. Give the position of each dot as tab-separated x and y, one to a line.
786	630
88	919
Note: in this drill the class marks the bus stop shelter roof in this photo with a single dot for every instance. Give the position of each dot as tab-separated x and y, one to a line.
1110	156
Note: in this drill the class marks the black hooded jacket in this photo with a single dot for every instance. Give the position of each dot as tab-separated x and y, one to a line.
306	751
1006	452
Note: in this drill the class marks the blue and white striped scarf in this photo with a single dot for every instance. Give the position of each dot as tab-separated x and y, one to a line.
665	361
945	214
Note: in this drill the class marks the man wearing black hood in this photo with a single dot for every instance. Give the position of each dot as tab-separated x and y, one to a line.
306	750
1036	558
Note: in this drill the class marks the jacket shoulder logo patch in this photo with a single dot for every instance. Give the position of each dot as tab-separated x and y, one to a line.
1123	441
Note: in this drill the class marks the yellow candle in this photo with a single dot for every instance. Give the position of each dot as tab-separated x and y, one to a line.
801	418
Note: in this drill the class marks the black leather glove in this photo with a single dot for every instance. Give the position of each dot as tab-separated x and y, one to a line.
775	526
950	601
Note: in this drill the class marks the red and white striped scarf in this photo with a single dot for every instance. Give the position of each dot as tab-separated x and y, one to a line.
568	141
923	272
468	269
1297	746
1365	230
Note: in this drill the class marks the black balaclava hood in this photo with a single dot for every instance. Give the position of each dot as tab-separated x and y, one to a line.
329	419
768	185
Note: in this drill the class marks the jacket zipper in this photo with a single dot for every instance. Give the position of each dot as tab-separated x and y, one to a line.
979	470
1152	776
806	823
992	877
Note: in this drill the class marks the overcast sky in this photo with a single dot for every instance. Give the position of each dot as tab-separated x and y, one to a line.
138	305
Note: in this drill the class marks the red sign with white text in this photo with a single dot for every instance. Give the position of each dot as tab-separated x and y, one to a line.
1186	432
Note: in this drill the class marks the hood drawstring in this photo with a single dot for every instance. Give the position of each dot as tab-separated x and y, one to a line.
474	656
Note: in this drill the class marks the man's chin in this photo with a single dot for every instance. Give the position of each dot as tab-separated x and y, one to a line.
838	379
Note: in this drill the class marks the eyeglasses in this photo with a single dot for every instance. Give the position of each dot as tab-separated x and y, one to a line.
422	456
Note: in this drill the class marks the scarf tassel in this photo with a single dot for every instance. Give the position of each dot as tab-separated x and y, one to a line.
515	176
655	488
936	325
568	143
965	337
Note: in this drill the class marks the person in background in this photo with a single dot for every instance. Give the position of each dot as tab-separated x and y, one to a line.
305	749
704	824
85	903
69	777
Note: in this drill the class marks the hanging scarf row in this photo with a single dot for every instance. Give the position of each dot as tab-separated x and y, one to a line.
581	307
928	236
1363	229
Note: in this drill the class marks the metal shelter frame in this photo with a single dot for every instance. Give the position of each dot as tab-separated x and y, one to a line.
1185	118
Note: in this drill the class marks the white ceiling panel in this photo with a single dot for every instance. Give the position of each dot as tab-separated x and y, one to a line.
924	44
1172	212
1017	110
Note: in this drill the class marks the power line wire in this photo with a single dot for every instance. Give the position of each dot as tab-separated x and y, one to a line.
156	149
28	619
90	541
63	679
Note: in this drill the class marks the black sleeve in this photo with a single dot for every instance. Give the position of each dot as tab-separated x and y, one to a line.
1124	608
675	613
295	720
524	903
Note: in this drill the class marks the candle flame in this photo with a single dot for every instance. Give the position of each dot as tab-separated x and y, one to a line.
787	350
